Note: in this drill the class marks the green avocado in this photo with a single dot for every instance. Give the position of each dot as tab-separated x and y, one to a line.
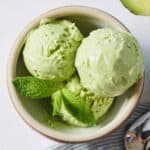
138	7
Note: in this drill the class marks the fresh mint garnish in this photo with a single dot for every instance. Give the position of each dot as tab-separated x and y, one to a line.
72	109
36	88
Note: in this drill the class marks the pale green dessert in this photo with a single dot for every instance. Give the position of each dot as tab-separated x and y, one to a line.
50	49
139	7
98	105
109	62
72	109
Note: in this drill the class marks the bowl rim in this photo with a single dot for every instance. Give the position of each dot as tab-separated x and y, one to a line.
13	57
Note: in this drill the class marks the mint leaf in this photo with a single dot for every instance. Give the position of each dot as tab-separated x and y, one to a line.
78	108
72	109
36	88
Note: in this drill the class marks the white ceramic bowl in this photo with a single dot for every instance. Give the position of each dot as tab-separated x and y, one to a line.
34	113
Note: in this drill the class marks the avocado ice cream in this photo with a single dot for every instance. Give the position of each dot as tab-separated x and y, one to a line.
50	49
109	62
90	72
98	105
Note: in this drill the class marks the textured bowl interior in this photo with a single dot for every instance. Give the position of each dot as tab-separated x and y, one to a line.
36	112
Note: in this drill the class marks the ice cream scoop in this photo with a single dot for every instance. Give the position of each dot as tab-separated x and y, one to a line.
50	49
137	136
98	105
109	62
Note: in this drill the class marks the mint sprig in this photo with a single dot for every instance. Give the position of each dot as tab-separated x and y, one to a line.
35	88
72	109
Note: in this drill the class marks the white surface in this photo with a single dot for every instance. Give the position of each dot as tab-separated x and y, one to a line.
14	15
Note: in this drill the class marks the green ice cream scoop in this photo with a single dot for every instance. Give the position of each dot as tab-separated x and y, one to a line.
109	62
98	105
50	49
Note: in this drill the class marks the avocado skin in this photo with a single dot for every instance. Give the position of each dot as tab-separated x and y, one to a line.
138	7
